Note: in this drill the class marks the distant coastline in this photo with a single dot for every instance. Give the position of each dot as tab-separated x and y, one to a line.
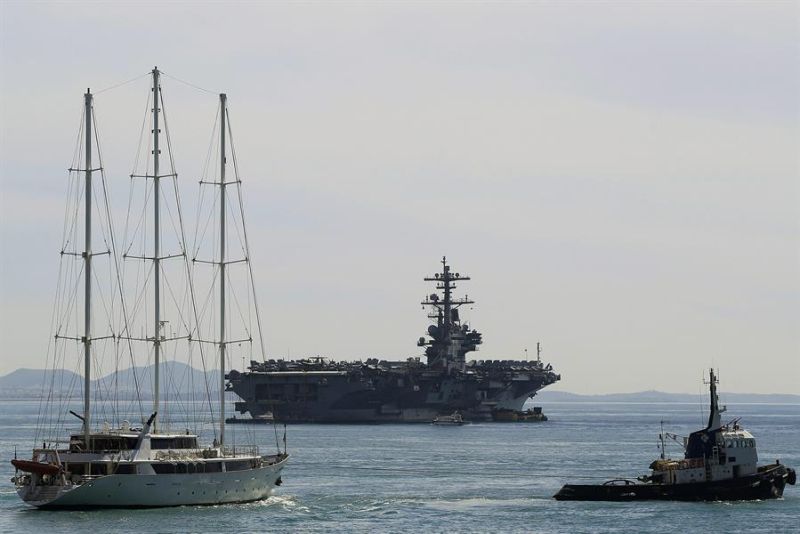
664	397
26	384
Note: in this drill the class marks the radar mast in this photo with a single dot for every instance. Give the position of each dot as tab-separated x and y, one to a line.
450	339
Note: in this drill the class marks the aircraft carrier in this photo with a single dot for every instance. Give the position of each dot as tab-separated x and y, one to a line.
374	391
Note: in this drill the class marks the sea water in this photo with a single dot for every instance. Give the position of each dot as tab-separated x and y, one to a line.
481	477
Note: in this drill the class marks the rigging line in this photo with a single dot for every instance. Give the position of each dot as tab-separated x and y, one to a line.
201	228
247	247
146	116
166	131
236	301
75	164
102	387
140	238
207	225
142	218
176	387
145	121
108	221
190	84
66	398
234	223
140	300
60	287
246	241
99	290
175	301
210	294
116	384
193	397
72	230
64	283
128	213
76	153
71	181
121	84
50	347
204	175
200	348
174	178
201	200
63	319
183	243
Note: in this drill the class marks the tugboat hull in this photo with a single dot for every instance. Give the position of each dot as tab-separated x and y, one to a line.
768	483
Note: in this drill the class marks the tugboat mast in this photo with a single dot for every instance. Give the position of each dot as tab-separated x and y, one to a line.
714	420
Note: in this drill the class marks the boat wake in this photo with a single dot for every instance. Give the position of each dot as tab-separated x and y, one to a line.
288	503
475	502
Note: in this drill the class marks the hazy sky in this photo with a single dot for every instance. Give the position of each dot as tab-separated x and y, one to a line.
621	179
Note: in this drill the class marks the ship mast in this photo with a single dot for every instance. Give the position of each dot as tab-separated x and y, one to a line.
444	334
223	111
87	261
714	421
156	249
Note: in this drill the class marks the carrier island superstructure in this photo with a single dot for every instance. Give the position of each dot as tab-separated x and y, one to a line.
318	390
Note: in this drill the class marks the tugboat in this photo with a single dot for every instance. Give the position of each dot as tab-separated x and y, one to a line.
719	464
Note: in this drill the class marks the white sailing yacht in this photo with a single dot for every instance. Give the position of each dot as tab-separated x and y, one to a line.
125	465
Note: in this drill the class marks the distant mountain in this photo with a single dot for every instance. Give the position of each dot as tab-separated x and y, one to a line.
176	376
32	378
660	396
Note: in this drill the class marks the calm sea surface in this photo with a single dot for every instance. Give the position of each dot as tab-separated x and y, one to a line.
488	477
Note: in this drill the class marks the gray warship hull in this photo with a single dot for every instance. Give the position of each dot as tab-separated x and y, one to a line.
386	392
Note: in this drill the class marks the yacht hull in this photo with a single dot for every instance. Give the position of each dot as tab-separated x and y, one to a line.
159	490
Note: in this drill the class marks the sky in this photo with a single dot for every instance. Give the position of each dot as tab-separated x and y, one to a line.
621	180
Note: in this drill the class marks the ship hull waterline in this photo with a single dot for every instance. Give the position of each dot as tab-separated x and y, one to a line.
158	491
